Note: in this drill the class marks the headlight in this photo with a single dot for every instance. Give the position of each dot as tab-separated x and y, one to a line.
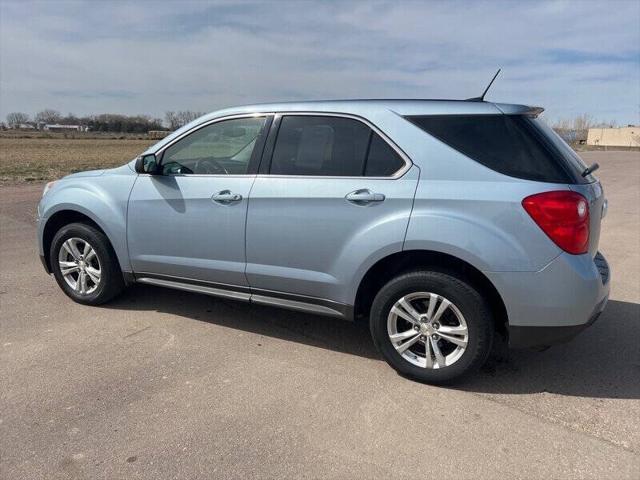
47	187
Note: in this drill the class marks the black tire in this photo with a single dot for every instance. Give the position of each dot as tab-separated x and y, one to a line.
464	296
111	281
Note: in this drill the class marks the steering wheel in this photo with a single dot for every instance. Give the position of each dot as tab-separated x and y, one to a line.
210	165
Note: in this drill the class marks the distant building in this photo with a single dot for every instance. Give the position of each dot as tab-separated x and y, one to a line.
614	137
158	134
55	127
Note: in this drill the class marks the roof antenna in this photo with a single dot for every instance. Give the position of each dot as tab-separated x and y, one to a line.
481	97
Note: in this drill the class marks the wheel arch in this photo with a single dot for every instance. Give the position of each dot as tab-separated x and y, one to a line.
65	217
407	260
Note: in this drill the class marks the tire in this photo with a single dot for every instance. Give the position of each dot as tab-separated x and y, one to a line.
101	263
467	319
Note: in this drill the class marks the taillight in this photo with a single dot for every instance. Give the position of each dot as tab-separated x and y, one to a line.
563	216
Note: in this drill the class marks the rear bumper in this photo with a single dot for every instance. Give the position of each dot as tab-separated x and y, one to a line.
555	304
538	337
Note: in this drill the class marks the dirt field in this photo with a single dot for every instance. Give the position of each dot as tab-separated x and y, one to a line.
40	159
167	384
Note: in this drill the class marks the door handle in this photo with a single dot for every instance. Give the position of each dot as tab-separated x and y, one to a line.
226	197
364	196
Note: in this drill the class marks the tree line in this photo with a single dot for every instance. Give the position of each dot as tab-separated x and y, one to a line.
581	122
105	122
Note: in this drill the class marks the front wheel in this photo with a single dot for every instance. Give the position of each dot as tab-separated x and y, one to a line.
85	265
431	326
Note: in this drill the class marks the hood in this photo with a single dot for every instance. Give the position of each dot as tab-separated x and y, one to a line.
88	173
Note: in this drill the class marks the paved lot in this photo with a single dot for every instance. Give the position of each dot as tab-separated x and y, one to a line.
165	384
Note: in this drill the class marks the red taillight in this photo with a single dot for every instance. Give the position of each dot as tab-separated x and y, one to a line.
563	216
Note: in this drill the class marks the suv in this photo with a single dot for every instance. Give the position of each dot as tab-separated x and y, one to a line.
445	223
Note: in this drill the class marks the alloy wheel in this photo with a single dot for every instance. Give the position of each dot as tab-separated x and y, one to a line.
427	330
79	265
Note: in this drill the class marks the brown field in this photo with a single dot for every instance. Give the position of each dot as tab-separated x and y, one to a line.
40	159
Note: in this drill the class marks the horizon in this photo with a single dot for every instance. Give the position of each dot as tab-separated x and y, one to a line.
152	57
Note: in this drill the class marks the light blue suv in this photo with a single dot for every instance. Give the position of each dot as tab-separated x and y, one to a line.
445	223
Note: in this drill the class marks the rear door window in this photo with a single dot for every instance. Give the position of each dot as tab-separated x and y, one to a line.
332	146
382	160
508	144
320	146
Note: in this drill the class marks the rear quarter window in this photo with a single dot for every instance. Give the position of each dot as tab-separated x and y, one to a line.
508	144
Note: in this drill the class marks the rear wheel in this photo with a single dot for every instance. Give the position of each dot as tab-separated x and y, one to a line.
431	326
85	265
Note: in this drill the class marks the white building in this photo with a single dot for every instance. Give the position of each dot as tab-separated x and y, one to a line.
56	127
614	137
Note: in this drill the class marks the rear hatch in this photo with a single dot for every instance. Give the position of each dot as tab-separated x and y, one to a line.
595	196
519	145
587	186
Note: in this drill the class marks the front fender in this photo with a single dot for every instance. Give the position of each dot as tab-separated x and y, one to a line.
103	199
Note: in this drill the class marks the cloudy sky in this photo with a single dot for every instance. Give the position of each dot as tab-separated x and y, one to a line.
153	56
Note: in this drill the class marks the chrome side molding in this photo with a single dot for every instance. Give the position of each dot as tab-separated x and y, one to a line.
300	303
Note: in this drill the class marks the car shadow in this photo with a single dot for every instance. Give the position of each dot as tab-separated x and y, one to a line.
314	330
603	361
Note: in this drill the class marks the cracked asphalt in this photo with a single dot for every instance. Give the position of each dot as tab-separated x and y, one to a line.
167	384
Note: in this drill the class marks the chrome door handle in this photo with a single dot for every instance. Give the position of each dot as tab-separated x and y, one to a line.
225	197
364	196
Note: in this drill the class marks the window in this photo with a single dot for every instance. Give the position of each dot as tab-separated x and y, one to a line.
382	160
331	146
221	148
509	144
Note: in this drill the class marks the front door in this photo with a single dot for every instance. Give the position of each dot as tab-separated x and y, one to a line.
333	195
188	222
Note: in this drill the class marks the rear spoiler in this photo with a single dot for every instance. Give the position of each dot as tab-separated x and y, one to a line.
505	108
511	109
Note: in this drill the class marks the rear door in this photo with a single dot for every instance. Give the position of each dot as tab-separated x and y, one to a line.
331	194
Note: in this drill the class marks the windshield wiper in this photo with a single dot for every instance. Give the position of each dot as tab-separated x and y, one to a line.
590	170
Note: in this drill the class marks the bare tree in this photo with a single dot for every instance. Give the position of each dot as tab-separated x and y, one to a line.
171	120
175	120
187	116
583	122
70	119
48	116
562	124
15	119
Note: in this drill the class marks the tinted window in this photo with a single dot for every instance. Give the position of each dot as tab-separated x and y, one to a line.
327	146
563	150
220	148
382	160
507	144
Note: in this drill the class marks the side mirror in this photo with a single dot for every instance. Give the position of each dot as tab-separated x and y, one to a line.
147	164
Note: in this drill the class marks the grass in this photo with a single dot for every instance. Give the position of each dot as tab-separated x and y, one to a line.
41	159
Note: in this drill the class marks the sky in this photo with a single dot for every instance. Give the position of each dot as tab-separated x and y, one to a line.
148	57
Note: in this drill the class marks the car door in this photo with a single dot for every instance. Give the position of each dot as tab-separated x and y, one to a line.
333	193
188	221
